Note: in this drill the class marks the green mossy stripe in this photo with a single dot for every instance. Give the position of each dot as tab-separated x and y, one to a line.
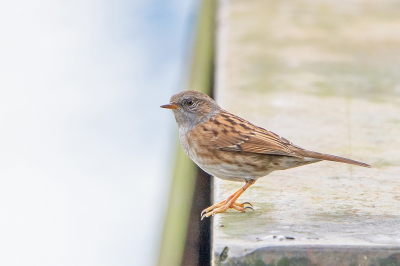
175	229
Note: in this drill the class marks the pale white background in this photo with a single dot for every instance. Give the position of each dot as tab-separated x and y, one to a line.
85	150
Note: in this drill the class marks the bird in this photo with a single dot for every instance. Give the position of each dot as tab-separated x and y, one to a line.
231	148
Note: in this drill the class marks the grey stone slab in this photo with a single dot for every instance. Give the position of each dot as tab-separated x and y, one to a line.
316	255
325	75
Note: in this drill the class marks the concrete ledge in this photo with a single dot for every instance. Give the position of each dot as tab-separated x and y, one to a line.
324	75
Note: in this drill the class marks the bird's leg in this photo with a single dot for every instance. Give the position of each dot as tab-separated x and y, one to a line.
229	202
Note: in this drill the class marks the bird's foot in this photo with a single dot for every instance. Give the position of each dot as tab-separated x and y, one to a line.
225	205
230	202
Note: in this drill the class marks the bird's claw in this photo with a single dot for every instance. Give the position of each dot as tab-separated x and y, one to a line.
248	207
223	206
248	203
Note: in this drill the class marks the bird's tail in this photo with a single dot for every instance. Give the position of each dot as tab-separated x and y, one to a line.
333	158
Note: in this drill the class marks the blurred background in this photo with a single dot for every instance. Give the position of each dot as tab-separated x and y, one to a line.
85	150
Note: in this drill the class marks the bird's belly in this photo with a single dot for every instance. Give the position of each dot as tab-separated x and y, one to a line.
233	166
231	172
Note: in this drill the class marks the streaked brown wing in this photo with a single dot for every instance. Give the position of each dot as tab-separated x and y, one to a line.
231	133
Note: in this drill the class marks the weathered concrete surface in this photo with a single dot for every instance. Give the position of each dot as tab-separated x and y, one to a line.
325	75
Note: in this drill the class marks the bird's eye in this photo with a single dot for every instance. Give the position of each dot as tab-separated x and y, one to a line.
189	102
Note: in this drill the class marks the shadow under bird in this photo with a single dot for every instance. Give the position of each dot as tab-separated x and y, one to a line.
229	147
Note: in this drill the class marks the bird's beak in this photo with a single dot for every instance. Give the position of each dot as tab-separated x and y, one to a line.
170	106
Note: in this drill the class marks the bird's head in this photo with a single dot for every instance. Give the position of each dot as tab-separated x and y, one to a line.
191	108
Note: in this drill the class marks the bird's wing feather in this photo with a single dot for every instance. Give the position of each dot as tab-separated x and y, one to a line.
231	133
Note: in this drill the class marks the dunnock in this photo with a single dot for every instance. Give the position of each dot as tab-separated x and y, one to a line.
229	147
